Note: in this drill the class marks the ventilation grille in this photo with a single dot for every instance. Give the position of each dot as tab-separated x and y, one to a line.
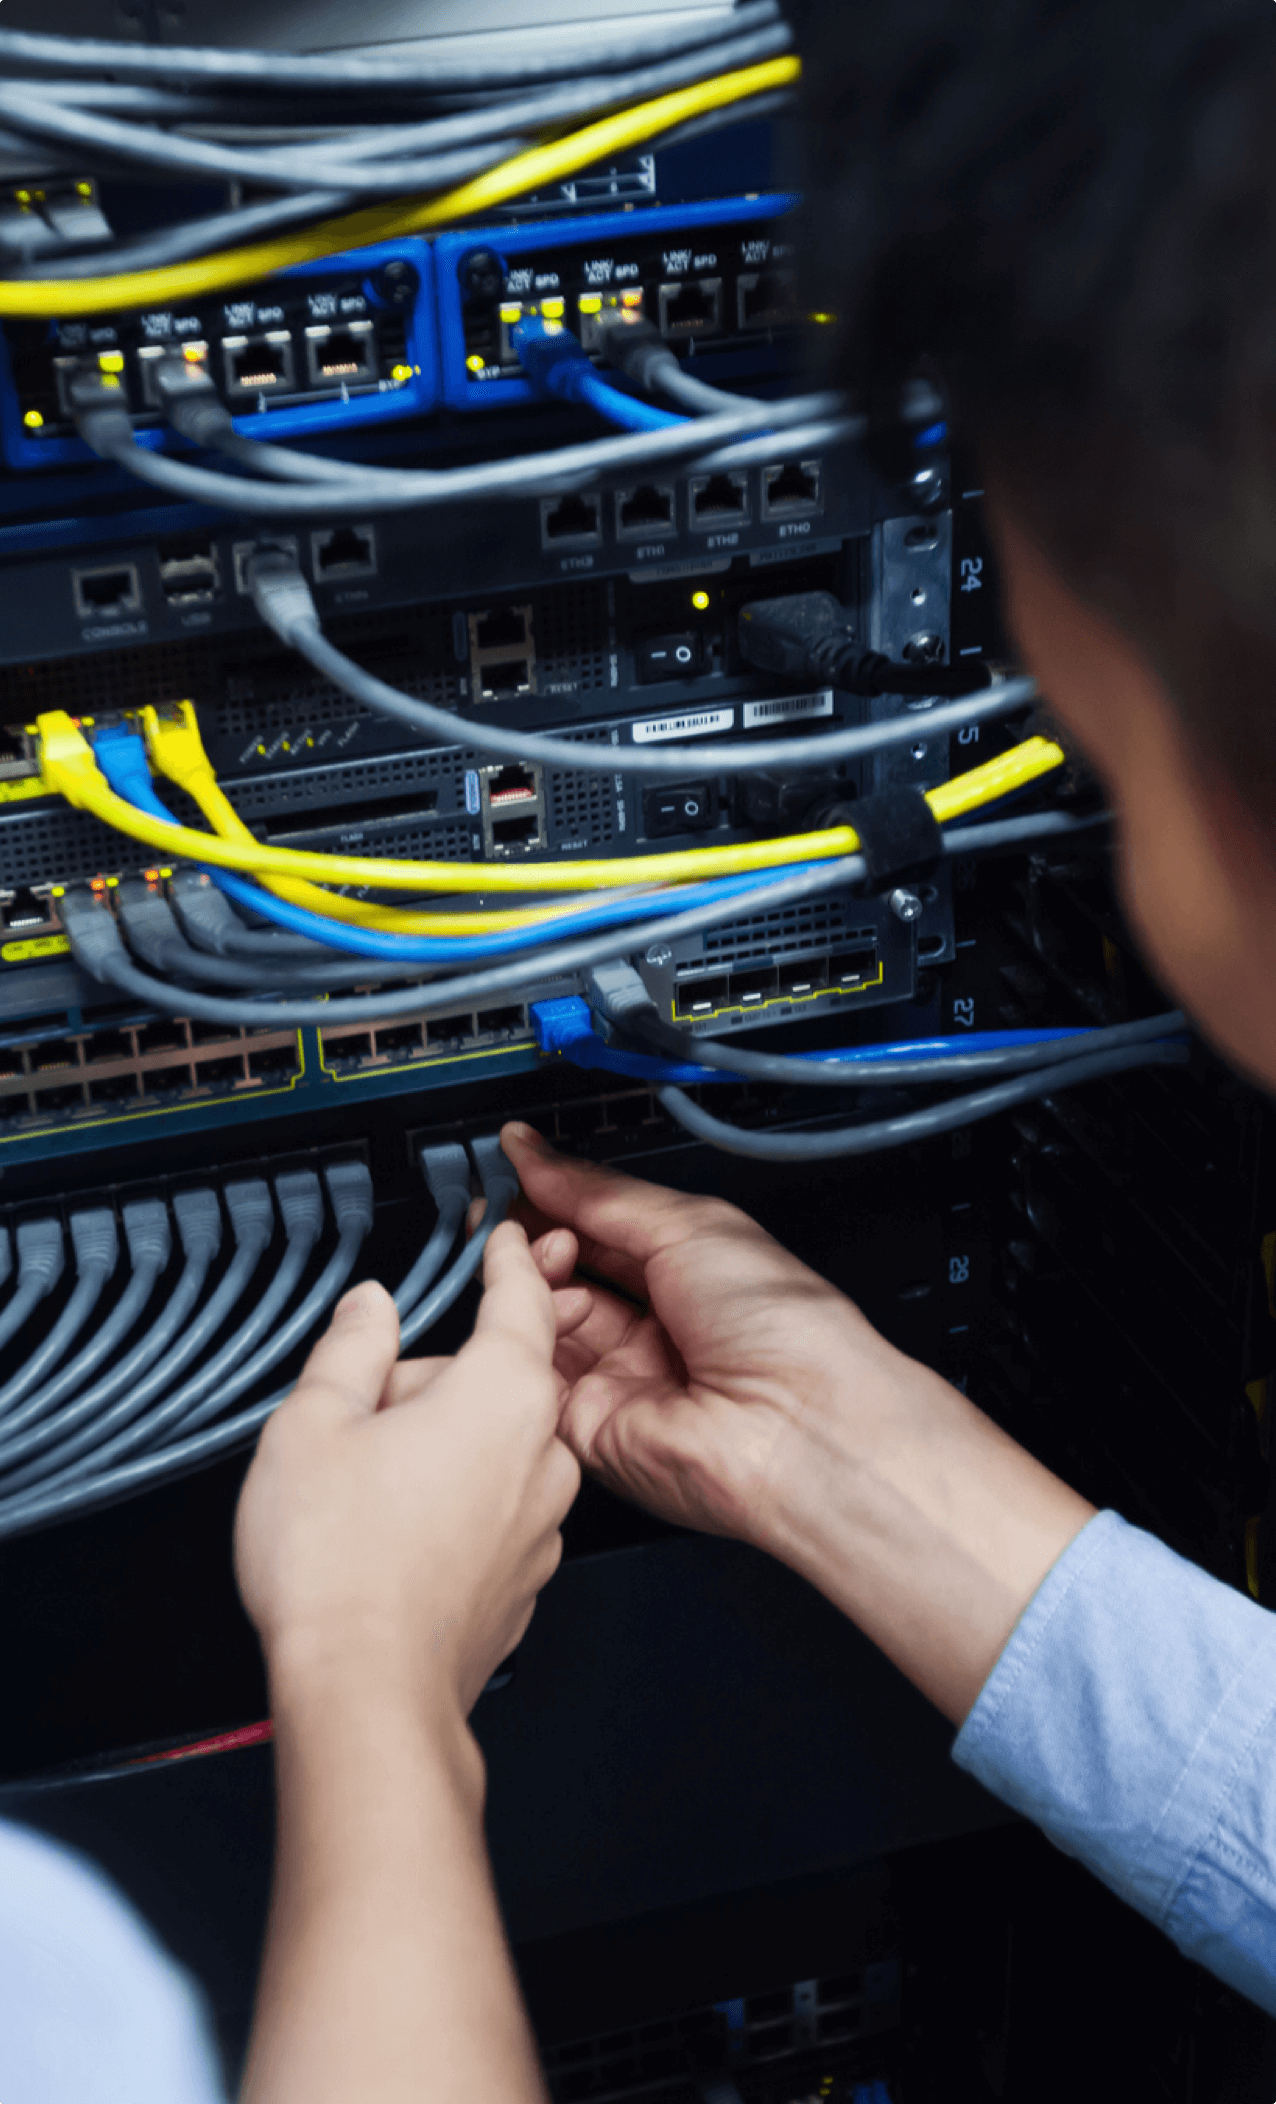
408	841
62	847
313	788
583	806
780	933
572	644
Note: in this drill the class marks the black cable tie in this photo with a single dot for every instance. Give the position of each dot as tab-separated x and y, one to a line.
899	836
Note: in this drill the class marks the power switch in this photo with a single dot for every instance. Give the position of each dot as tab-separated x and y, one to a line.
686	809
669	657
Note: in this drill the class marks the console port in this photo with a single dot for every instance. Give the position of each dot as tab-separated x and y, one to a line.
99	594
645	510
691	308
344	551
189	574
258	365
852	967
750	989
765	299
794	491
719	500
24	913
696	997
335	357
513	809
569	521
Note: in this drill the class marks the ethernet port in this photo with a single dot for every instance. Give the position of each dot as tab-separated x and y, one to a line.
691	308
499	1022
508	677
188	567
24	912
110	1044
118	1088
750	989
276	1059
50	1101
220	1073
502	628
258	365
403	1042
107	593
337	356
448	1029
794	491
570	521
765	299
719	500
645	510
852	967
696	997
517	830
17	754
162	1037
242	550
212	1033
345	551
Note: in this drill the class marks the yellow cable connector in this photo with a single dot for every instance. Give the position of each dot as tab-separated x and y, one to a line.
68	768
536	167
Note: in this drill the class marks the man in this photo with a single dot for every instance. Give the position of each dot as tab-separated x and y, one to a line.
1067	213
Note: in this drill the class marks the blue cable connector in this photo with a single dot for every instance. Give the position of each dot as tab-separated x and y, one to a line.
555	364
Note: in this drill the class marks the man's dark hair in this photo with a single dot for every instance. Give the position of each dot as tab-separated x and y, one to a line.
1066	211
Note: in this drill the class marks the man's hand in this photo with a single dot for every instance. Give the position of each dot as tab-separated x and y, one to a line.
403	1518
696	1393
726	1387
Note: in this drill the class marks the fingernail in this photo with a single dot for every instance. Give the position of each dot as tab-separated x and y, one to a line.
349	1303
527	1136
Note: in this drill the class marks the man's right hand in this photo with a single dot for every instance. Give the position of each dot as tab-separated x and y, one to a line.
725	1387
701	1400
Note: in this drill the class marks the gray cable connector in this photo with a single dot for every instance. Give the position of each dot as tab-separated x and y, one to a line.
251	1214
199	1224
446	1168
350	1190
147	1233
41	1254
95	1237
615	991
300	1199
497	1173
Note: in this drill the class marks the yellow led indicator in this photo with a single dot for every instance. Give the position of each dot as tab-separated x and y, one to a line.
553	310
700	601
23	196
591	303
84	189
33	420
631	299
476	362
511	311
194	353
111	361
401	374
825	319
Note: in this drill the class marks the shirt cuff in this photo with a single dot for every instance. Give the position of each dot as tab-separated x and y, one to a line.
1132	1716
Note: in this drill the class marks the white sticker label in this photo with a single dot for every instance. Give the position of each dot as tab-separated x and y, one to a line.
787	706
696	725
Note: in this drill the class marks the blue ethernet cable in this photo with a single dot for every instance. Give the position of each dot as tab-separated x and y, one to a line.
121	755
556	364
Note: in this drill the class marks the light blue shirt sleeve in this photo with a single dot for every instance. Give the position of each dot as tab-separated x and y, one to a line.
1132	1716
91	2006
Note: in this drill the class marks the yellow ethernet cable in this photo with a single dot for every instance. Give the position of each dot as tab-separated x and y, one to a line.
68	769
176	751
537	166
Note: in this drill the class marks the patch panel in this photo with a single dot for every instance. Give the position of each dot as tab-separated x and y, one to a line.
712	277
327	346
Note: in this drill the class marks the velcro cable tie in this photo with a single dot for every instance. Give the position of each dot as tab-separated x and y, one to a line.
899	835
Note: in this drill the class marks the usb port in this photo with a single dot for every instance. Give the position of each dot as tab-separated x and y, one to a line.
188	567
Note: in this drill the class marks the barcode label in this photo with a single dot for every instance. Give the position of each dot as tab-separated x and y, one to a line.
695	725
788	705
